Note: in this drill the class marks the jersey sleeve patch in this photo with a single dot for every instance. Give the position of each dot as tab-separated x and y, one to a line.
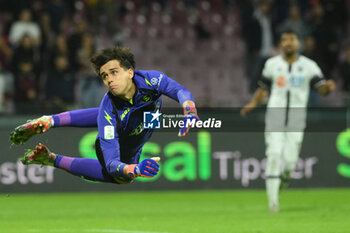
109	132
156	80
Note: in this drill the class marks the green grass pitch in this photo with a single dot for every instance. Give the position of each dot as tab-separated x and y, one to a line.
309	211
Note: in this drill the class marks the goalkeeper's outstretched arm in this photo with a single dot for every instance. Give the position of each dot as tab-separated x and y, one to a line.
179	93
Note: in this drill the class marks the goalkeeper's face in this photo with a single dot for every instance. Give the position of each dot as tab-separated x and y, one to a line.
289	43
117	79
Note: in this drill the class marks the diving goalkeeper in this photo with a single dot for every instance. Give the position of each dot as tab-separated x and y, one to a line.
119	119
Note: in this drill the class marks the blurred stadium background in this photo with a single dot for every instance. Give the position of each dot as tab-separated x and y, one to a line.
213	47
216	49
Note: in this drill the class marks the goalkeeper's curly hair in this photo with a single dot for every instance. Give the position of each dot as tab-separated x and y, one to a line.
122	54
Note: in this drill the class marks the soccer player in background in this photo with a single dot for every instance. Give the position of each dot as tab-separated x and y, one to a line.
287	78
119	119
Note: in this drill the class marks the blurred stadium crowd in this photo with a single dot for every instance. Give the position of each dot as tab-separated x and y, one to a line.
216	48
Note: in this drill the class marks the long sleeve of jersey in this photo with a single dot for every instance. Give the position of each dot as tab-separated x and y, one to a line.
78	118
174	90
109	141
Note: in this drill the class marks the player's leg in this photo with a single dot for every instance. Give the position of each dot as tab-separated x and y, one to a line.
24	132
86	168
274	147
290	155
78	118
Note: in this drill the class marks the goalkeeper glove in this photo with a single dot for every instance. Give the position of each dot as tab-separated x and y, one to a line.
147	168
191	116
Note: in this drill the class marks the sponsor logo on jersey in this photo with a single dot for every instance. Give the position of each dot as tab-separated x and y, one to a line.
296	81
146	98
154	81
124	113
281	81
138	130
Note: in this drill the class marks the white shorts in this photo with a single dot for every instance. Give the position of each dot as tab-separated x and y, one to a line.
284	145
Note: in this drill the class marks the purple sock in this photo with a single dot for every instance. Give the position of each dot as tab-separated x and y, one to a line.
79	118
90	169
